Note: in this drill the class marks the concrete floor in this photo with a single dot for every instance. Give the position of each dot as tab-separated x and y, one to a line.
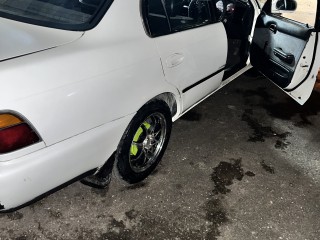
244	164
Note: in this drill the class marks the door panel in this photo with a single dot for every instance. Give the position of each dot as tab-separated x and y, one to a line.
191	58
285	52
277	47
191	43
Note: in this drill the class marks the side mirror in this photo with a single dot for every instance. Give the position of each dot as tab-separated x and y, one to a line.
280	6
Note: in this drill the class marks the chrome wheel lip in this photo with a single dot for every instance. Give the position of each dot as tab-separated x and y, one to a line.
151	144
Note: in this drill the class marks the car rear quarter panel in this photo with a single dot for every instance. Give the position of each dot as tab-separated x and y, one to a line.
107	74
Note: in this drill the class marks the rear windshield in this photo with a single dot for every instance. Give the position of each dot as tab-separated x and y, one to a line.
63	14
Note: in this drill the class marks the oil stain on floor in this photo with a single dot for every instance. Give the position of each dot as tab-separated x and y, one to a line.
222	176
216	214
267	167
287	110
225	173
260	132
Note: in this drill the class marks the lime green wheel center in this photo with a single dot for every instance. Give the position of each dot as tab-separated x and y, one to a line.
147	142
134	148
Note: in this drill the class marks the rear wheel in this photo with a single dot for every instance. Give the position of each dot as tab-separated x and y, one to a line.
144	142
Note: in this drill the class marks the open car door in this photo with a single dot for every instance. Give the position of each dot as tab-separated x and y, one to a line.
286	51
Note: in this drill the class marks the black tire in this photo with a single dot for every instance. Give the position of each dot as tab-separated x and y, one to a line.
147	134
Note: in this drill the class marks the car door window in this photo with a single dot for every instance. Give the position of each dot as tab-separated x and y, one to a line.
305	12
156	18
163	17
77	15
186	14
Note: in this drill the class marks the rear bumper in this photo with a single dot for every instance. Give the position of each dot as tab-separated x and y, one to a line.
25	178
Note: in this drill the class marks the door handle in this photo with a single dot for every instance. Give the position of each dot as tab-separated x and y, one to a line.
286	57
175	60
273	28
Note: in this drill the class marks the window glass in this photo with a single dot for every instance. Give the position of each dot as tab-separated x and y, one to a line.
306	12
156	18
185	14
163	17
65	14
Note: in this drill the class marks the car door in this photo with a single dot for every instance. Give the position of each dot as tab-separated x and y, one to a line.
285	50
192	45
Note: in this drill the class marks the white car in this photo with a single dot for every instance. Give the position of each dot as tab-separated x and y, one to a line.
87	82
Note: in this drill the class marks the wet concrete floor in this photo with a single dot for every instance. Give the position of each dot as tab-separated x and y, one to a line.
244	164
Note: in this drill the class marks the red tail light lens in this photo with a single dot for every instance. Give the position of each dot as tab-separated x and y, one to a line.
15	134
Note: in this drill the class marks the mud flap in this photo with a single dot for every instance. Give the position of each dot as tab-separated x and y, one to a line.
103	177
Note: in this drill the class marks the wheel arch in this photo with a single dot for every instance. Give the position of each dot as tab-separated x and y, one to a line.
170	100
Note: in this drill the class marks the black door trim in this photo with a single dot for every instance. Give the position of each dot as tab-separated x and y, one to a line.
203	80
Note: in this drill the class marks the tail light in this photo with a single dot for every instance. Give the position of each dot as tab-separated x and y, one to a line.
15	133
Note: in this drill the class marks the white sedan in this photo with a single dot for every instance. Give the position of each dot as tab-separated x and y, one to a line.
89	83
